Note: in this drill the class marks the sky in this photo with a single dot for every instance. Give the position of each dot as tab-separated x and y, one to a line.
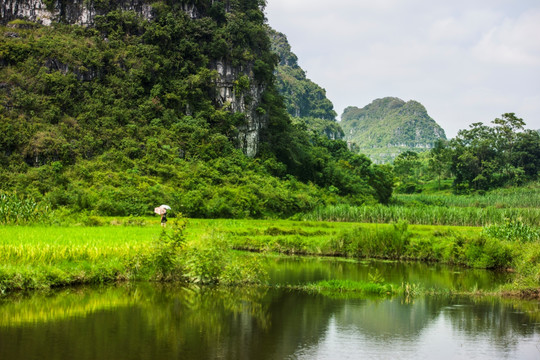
466	61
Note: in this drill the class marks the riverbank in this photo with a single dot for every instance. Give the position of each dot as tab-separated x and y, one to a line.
35	257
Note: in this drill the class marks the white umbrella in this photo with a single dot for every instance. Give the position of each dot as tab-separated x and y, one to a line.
160	211
165	207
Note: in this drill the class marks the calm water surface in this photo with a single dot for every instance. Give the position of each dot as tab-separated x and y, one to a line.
152	321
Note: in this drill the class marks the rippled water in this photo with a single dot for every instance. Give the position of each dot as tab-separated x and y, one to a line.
152	321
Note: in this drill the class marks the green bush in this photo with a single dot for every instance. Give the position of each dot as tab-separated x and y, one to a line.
526	264
167	251
487	253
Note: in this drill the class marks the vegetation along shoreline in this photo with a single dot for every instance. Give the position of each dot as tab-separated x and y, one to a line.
205	252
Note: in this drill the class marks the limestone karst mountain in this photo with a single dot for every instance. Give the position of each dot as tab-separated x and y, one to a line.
389	126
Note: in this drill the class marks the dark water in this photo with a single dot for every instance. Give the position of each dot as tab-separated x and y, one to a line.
152	321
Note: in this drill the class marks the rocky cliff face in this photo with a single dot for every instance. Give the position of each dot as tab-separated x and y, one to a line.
80	12
245	101
84	12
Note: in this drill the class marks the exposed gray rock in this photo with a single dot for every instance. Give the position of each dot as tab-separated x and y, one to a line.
82	75
245	102
80	12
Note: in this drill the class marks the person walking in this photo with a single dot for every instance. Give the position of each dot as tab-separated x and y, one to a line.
162	211
164	218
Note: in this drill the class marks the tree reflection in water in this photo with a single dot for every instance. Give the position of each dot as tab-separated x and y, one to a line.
167	321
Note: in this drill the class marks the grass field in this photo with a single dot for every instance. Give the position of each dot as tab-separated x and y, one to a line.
51	245
121	250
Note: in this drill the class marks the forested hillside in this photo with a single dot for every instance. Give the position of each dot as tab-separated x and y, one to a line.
389	126
164	106
305	100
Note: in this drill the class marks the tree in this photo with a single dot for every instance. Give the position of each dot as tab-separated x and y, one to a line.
438	163
526	153
506	133
485	157
382	181
407	169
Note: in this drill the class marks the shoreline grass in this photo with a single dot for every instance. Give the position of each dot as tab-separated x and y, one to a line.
347	289
38	257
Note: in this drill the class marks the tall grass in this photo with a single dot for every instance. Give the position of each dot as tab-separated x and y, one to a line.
427	215
387	243
19	210
523	197
348	288
514	231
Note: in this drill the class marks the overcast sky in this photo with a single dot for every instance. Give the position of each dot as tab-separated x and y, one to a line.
465	60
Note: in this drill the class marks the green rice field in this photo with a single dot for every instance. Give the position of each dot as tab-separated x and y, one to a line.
34	257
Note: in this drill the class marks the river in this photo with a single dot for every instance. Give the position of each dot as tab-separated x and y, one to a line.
169	321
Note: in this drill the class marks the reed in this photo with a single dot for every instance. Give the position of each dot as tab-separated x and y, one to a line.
516	197
339	287
427	215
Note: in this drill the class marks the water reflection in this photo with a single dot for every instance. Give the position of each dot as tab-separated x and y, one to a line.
445	328
298	270
152	321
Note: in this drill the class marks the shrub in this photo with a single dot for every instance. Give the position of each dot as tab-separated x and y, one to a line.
204	261
166	252
487	253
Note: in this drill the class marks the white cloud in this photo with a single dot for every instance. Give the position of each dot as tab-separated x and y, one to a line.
464	28
465	61
514	41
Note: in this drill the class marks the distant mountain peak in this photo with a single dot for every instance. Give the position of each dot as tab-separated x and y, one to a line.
388	126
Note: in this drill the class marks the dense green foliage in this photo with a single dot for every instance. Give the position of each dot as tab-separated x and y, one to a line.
485	157
120	117
18	210
389	126
476	160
